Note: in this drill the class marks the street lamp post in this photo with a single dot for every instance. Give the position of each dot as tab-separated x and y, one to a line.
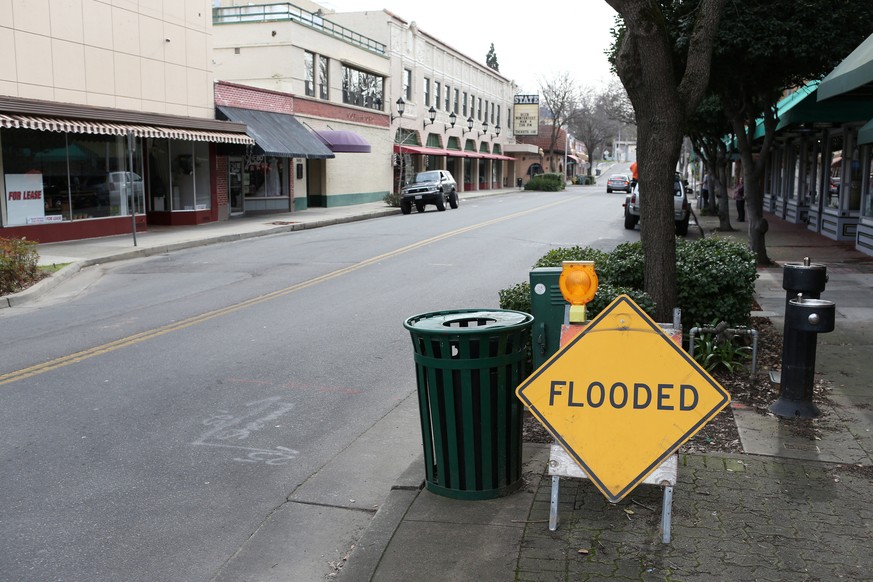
401	107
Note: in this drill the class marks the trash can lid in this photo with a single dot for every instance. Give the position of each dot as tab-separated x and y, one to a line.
467	320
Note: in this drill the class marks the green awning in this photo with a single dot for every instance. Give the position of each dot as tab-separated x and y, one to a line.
853	75
804	107
865	134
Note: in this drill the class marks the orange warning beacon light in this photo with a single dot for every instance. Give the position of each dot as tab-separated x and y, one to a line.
578	284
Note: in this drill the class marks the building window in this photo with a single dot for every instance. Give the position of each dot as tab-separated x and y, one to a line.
436	94
498	115
456	101
362	89
68	176
322	77
264	177
448	99
464	102
426	91
479	110
492	114
407	84
309	73
486	110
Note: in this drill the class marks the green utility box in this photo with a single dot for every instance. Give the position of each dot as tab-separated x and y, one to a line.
548	307
468	364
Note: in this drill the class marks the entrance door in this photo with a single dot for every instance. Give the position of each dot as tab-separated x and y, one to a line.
235	185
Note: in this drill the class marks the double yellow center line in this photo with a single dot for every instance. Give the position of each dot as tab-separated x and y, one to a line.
130	340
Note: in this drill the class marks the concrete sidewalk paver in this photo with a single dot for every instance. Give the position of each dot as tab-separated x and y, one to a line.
735	517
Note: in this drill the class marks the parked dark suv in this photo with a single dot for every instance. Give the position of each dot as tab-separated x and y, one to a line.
431	187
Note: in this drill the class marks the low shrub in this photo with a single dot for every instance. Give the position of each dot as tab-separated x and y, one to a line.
556	257
18	264
715	279
392	199
517	298
546	183
625	266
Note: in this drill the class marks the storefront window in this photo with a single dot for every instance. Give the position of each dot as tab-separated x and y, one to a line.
265	176
52	176
178	175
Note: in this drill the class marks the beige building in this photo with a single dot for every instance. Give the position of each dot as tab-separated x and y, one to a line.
329	78
107	117
456	111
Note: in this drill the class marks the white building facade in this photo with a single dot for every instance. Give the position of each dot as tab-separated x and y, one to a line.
329	78
456	111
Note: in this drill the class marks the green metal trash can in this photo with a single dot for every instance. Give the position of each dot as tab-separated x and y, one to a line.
468	364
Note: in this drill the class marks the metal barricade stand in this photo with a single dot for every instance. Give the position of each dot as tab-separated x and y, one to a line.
584	396
562	465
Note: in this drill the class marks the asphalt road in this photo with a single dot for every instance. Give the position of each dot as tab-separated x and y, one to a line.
172	418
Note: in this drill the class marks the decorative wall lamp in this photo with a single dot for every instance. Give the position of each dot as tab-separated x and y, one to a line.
401	107
452	119
431	114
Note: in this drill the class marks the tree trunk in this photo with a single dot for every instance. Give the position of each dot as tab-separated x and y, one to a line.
758	225
645	64
753	171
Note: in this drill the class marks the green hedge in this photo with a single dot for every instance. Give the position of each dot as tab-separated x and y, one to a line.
715	279
546	183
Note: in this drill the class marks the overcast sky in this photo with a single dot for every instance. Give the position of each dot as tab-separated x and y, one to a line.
534	41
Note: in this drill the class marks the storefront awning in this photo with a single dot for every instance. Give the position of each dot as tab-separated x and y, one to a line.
420	150
15	121
343	141
463	154
865	134
853	77
279	134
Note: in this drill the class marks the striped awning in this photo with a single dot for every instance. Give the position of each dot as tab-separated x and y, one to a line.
16	121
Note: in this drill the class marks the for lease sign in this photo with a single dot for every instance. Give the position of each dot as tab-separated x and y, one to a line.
24	198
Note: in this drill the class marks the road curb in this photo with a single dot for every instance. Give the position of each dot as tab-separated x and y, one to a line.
55	279
368	552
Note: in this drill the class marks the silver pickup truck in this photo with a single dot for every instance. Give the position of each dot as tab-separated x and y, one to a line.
681	208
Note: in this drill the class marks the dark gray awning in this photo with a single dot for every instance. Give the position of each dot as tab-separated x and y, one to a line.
278	134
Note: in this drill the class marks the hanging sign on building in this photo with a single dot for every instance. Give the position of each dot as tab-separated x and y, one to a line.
526	115
25	201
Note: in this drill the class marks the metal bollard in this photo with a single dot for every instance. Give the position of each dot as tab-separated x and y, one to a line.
804	320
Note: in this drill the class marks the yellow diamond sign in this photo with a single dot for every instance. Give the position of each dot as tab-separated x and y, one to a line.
621	397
